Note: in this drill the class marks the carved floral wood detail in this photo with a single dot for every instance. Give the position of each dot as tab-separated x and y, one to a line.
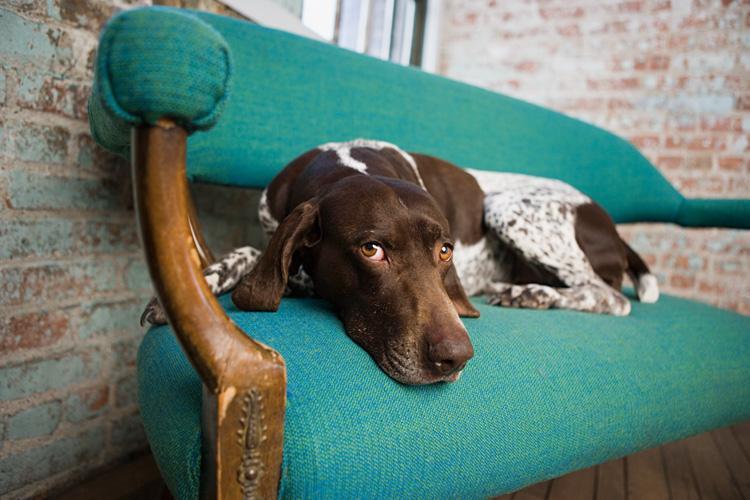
251	435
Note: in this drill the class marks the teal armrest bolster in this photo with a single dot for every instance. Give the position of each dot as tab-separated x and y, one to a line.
731	213
157	63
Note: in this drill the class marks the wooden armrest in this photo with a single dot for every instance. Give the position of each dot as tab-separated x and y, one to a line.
244	380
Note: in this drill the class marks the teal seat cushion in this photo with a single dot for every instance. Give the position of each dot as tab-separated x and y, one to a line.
547	392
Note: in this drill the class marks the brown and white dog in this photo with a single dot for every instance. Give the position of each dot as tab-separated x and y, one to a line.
396	242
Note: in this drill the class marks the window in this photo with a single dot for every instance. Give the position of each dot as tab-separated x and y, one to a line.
393	30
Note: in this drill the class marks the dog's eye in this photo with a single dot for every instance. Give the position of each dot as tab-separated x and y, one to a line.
446	252
372	251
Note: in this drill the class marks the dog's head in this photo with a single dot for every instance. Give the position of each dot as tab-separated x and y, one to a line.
380	250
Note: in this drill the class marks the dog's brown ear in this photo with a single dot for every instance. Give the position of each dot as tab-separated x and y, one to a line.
262	288
458	296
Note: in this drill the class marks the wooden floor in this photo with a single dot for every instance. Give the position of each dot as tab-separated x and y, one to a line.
714	465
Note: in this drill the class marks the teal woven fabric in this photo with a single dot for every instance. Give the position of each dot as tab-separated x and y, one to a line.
154	63
547	392
715	213
290	94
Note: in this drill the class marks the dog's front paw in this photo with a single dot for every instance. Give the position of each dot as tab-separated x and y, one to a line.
153	313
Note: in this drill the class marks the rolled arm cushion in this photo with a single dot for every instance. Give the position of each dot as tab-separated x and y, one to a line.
154	63
732	213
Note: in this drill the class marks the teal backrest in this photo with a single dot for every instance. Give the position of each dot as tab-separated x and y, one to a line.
289	94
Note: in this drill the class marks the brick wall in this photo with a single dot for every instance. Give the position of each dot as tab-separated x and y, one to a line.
72	280
673	77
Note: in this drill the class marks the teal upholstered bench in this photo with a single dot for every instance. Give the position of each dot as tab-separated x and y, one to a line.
548	391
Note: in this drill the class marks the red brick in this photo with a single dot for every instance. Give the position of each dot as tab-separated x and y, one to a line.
526	66
677	41
680	262
739	187
652	63
630	7
721	124
711	287
96	398
560	12
32	330
660	25
616	104
698	163
697	21
38	143
87	404
569	30
52	282
713	143
656	6
682	281
731	164
683	122
699	186
645	141
28	7
674	142
613	84
59	96
700	143
90	14
670	162
729	267
581	104
649	258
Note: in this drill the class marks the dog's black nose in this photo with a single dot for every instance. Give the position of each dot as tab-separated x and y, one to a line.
450	355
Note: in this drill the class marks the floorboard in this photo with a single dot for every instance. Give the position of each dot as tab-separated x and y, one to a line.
713	478
679	471
577	485
735	459
710	466
137	479
610	482
647	479
741	432
538	491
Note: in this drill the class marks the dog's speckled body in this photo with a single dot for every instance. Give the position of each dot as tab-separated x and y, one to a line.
522	241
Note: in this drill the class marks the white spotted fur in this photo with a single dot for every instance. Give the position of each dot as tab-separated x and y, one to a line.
267	221
535	218
648	288
479	264
344	152
221	276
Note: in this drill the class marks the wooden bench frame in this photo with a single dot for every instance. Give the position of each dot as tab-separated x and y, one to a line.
244	381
